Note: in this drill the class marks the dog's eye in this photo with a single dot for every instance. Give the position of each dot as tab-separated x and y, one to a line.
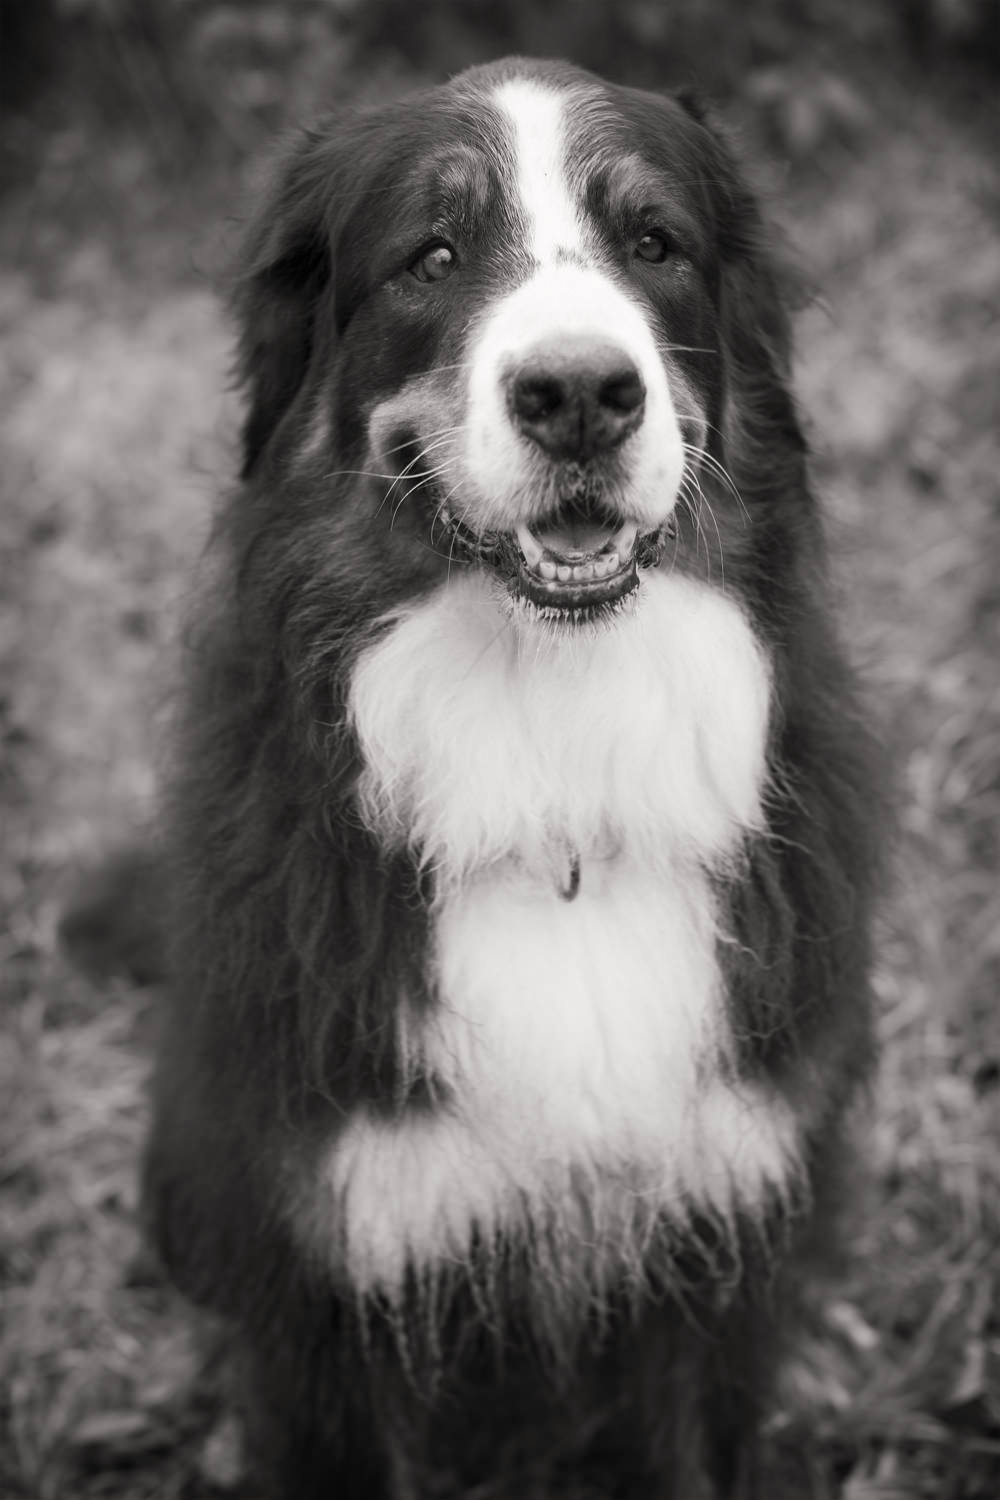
434	264
653	247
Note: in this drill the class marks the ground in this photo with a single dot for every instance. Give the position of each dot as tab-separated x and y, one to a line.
117	426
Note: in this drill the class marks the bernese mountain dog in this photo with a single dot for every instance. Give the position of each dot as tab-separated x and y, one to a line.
525	825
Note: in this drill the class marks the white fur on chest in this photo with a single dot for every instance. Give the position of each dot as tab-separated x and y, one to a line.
485	737
579	1050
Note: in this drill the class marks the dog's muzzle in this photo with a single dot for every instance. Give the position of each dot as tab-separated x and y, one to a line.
573	402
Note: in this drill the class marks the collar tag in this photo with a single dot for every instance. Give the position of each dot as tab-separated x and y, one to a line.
570	890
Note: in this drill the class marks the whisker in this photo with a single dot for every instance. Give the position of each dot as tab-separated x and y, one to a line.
718	533
454	535
422	482
439	434
689	493
694	496
705	503
703	456
691	416
356	474
687	349
436	432
426	477
410	468
407	471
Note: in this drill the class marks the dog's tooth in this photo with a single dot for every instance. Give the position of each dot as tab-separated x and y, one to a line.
624	539
547	569
529	546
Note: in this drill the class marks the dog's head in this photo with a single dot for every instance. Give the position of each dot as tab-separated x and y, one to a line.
505	312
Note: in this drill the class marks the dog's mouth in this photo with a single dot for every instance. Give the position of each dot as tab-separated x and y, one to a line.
568	564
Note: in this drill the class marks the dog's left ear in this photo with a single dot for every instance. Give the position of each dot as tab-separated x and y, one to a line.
760	286
285	266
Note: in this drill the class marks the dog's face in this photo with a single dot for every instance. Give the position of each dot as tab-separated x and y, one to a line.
497	308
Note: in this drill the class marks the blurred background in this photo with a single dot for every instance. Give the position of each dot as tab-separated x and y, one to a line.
130	137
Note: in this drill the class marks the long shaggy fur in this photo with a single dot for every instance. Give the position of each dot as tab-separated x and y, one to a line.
585	1342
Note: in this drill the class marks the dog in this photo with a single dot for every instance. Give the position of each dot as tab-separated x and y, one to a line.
526	825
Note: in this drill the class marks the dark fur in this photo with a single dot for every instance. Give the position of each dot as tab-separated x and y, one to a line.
292	932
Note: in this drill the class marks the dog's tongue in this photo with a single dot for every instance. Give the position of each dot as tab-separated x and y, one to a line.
575	538
572	540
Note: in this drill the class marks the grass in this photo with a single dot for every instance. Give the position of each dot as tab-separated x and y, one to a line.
116	429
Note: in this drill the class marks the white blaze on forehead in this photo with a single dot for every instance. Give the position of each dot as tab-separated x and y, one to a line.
571	289
537	115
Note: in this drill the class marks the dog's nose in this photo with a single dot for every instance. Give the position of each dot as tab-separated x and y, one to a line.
578	399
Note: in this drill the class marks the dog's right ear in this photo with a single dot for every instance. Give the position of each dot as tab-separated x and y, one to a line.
285	265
